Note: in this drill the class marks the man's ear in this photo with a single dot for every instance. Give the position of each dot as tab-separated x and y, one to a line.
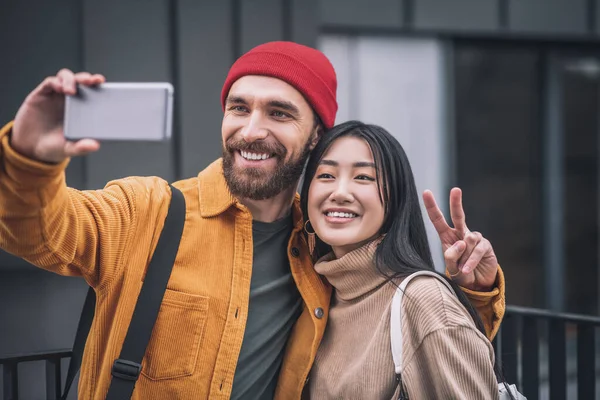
316	136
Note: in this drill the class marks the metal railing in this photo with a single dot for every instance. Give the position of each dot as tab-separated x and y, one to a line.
547	353
10	372
530	342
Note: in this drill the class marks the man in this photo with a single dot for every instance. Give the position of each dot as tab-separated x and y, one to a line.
244	311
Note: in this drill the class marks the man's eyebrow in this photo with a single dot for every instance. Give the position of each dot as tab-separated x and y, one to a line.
235	100
285	105
281	104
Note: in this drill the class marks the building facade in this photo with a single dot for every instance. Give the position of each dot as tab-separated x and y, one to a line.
499	97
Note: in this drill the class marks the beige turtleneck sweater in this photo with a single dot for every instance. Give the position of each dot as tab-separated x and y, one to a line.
445	356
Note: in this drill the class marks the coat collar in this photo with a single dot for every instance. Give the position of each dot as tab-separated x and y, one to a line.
215	197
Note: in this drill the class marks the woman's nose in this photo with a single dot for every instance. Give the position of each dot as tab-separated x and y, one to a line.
342	193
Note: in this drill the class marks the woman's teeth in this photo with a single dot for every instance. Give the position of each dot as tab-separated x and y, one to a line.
254	156
341	214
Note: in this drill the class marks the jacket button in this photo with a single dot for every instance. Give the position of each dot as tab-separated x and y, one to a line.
295	252
319	312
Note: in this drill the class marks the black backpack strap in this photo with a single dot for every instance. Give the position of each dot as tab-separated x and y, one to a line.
85	323
126	369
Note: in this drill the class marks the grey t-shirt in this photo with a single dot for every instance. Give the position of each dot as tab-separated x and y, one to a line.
275	305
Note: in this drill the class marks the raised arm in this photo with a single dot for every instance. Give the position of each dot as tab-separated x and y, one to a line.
470	261
57	228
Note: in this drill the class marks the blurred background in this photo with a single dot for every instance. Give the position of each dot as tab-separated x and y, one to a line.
498	97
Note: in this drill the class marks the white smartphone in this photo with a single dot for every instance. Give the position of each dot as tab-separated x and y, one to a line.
120	111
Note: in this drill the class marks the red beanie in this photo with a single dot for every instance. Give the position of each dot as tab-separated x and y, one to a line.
306	69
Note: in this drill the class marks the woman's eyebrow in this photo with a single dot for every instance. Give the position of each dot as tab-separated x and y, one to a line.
363	164
329	162
358	164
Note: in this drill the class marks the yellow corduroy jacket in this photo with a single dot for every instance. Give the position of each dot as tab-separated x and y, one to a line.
108	236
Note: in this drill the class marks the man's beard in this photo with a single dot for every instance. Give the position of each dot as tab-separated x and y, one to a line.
256	183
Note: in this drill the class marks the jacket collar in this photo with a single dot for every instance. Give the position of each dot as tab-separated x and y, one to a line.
215	197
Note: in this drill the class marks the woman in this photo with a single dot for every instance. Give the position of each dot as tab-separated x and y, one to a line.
363	210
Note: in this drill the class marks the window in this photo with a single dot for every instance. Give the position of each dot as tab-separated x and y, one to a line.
499	159
506	116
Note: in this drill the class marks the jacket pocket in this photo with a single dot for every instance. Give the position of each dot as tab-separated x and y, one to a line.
173	348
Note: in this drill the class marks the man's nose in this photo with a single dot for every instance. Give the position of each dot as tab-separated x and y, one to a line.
254	129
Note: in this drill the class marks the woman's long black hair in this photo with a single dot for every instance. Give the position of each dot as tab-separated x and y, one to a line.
404	249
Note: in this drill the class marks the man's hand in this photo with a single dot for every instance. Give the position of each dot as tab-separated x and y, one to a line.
469	257
38	128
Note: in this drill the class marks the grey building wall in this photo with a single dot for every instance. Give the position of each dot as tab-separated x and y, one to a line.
560	19
192	43
398	83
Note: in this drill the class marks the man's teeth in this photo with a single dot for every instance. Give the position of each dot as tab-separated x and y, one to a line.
254	156
341	214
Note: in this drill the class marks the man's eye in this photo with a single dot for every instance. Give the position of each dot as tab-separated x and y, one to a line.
279	114
238	108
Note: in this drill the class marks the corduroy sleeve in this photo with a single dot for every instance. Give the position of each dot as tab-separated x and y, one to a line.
60	229
490	305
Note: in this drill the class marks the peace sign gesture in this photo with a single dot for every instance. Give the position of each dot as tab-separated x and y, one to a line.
469	257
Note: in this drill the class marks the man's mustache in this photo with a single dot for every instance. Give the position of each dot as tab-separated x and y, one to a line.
276	149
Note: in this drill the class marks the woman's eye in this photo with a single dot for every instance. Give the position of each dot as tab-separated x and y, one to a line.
325	176
365	178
